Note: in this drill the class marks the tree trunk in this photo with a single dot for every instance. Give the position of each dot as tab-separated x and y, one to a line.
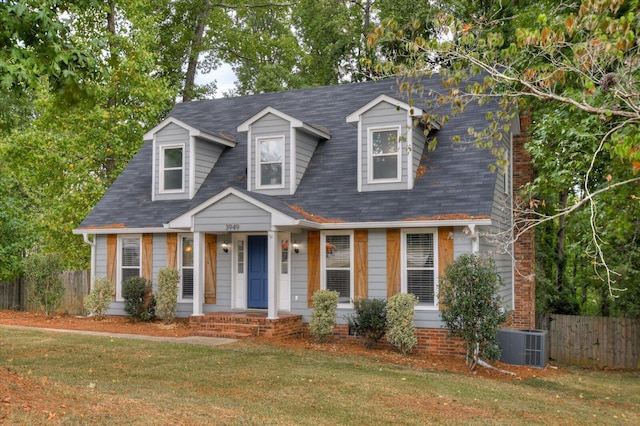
194	51
110	163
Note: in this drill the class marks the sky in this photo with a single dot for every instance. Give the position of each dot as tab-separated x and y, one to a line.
224	76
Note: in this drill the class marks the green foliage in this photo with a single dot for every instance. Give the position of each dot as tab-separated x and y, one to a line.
139	303
97	302
42	274
167	295
402	330
369	321
471	306
323	316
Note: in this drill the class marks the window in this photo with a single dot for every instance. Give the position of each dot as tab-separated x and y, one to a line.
419	267
129	259
171	173
186	267
337	259
271	162
284	262
384	159
241	256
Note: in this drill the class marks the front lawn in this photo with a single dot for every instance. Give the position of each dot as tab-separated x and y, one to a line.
51	378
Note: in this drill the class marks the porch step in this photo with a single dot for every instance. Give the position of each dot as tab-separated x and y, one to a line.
225	334
225	329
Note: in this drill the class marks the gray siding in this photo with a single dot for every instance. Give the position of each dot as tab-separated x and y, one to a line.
419	145
377	264
305	146
462	243
207	154
170	135
270	125
232	210
101	256
299	278
383	115
159	256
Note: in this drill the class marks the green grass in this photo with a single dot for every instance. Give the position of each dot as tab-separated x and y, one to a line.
93	380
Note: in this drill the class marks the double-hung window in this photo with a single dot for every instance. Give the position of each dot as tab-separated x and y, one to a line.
337	264
271	157
172	168
385	162
419	269
130	265
186	267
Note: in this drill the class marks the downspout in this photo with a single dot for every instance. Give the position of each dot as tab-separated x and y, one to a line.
475	238
91	244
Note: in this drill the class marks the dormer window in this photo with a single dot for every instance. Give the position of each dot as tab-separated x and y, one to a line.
172	168
271	162
385	155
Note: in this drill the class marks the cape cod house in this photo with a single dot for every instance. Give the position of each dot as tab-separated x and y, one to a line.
261	200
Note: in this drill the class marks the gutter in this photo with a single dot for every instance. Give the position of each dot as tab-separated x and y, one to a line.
91	244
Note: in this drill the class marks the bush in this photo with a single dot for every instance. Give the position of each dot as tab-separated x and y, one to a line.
167	297
98	301
471	306
42	274
323	317
369	321
139	303
402	330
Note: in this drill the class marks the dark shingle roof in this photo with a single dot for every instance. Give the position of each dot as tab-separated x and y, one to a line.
457	180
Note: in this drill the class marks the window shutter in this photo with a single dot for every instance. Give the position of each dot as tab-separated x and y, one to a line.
445	250
172	251
210	252
112	256
313	265
361	250
393	262
147	256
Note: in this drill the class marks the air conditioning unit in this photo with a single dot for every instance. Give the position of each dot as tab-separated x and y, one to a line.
524	347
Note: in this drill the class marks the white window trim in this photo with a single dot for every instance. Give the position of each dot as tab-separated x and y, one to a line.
370	156
162	169
403	266
119	297
180	267
259	163
323	264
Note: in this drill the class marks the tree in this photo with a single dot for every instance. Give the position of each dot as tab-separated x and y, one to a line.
471	306
580	60
44	281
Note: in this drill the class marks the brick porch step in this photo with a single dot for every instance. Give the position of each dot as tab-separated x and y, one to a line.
245	324
225	334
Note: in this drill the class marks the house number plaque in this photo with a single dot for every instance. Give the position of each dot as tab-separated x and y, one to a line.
232	227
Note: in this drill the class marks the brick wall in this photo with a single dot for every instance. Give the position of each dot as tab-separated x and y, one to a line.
523	316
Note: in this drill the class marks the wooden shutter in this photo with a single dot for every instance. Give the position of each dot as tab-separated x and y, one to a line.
210	255
361	273
393	262
172	251
147	256
313	265
112	261
445	250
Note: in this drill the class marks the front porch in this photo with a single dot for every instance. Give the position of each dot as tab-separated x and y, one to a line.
241	325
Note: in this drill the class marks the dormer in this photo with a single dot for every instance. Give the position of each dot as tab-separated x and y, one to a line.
183	156
279	148
390	144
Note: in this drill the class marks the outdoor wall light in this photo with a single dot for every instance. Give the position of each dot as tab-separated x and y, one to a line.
296	247
225	247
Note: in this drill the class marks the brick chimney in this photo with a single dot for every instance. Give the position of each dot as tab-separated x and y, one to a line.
524	313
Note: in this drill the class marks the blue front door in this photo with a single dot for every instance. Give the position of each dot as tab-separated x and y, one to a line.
257	268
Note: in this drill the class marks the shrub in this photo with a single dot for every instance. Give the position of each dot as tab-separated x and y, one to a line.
323	317
139	303
471	306
402	330
98	301
369	320
42	274
167	297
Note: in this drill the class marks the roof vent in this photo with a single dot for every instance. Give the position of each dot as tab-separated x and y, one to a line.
524	347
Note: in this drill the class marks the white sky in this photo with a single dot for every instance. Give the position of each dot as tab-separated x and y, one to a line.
224	76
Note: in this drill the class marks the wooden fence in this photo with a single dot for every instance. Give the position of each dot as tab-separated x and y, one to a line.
592	341
13	295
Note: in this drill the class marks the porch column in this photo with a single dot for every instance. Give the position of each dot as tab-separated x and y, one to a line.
198	273
272	267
